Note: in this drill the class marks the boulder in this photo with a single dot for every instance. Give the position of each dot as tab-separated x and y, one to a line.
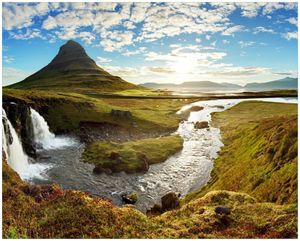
155	210
98	169
170	201
121	113
129	198
222	210
201	125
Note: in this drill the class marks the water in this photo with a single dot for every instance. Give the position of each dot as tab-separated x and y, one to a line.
43	138
16	157
185	171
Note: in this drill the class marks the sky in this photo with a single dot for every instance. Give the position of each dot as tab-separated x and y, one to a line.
156	42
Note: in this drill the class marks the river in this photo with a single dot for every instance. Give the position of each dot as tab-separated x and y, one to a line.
183	172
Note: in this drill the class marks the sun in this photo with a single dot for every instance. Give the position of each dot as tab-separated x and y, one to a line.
183	66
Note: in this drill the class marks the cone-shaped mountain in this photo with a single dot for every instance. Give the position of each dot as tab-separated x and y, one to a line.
72	68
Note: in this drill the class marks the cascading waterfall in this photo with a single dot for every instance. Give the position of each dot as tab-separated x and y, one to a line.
43	138
16	157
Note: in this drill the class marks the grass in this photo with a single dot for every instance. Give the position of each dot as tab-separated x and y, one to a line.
131	156
73	214
259	156
64	111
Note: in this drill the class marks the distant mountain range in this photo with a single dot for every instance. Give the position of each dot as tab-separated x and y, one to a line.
286	83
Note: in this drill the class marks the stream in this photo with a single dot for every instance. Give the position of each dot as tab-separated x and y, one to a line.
181	173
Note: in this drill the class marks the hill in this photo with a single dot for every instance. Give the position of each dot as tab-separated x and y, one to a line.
206	85
73	69
286	83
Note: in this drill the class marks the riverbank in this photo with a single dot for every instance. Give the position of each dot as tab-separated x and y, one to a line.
56	211
259	156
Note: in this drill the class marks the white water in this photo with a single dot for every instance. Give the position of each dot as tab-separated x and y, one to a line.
42	135
16	157
183	172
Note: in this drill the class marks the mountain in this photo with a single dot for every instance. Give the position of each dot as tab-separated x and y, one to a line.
73	69
206	85
286	83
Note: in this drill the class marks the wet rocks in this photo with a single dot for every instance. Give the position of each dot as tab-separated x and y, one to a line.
169	201
129	198
222	210
121	113
20	117
201	125
98	169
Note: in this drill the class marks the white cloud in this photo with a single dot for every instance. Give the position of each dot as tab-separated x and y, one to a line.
12	75
293	21
8	59
101	60
290	35
244	44
27	34
261	29
231	30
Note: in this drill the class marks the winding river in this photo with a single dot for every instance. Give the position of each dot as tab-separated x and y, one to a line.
185	171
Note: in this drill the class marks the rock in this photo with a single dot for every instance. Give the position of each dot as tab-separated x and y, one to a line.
130	199
121	113
155	210
98	169
219	106
222	210
201	125
195	108
20	118
144	167
170	201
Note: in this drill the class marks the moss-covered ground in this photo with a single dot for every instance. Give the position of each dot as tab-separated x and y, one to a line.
260	153
55	213
132	155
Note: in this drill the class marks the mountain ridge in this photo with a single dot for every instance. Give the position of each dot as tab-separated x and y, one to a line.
73	68
286	83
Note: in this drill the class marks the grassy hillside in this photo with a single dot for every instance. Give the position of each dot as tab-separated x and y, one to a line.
259	156
31	211
65	111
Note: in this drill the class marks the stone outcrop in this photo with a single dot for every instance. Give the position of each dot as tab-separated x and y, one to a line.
19	116
201	125
121	113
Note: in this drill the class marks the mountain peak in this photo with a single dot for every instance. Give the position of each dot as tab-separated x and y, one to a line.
71	51
73	67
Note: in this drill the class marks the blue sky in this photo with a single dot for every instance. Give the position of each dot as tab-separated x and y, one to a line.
157	42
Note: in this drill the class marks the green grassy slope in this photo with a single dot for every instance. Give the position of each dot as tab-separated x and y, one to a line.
259	156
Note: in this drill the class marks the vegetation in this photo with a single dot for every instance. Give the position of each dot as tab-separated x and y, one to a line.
259	156
30	212
65	111
132	156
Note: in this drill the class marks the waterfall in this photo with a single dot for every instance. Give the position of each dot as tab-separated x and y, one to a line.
16	157
43	138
